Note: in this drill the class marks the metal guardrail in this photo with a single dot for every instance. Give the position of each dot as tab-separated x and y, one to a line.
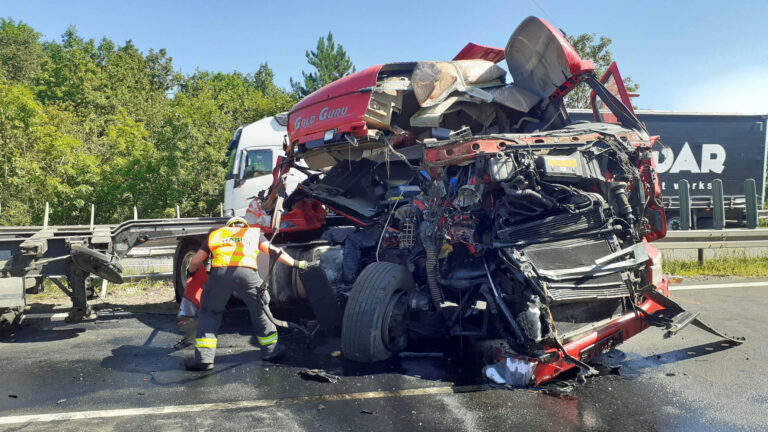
717	204
714	239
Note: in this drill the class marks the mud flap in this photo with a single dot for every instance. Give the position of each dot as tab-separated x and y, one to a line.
322	298
674	318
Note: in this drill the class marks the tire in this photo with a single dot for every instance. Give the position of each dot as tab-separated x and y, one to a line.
369	333
185	250
673	221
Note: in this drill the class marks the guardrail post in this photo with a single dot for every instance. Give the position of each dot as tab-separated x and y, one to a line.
750	194
684	193
45	217
221	209
135	213
178	213
93	214
718	205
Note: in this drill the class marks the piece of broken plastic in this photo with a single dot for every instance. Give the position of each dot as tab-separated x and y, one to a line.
510	371
675	279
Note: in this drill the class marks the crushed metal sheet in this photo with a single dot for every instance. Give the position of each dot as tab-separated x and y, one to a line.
318	375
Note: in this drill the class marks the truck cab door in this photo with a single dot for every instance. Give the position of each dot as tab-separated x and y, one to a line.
612	80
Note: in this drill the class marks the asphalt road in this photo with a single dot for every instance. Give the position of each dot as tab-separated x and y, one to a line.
124	372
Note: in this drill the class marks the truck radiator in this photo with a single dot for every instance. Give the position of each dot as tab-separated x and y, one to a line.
578	252
553	227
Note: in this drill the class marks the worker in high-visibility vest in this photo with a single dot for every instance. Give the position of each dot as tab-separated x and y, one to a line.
234	249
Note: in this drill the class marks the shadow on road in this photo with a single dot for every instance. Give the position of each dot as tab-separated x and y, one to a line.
691	352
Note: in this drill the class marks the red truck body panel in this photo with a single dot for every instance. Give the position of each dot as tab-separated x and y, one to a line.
339	106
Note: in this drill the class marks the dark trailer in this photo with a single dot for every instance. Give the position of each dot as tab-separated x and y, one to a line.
702	147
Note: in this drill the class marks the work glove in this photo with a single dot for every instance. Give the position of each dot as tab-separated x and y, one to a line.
301	265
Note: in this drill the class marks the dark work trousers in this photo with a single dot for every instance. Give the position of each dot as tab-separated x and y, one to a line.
217	290
353	246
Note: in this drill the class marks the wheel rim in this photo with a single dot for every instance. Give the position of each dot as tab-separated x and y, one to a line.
393	329
184	267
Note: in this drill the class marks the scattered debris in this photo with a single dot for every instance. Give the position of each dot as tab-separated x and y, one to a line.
61	401
13	396
336	353
365	411
318	375
320	407
512	371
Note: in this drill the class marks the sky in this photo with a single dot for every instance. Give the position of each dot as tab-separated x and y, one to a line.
686	55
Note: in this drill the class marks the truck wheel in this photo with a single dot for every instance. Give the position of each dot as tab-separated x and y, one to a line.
185	250
374	327
673	223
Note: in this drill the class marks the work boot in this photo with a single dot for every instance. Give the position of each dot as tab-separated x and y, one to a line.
193	365
187	327
272	352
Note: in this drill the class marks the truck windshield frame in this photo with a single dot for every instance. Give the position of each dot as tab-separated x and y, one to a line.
258	162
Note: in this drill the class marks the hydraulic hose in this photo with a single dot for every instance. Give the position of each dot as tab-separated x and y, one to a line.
426	232
519	336
529	196
434	289
263	288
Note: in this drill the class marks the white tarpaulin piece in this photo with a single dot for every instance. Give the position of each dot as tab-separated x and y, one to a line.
511	371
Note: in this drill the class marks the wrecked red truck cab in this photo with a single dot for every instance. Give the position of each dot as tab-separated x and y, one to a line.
463	206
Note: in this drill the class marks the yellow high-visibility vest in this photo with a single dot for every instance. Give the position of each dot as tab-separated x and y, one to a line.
234	247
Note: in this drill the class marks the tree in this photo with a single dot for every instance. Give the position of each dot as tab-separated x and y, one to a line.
20	51
597	51
100	123
331	62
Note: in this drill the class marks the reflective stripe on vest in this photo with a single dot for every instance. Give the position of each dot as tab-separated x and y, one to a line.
234	247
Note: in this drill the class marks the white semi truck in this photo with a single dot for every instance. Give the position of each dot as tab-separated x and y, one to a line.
252	154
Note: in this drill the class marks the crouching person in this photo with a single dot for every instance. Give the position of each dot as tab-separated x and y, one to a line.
233	251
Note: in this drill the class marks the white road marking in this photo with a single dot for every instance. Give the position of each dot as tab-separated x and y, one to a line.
61	316
718	286
178	409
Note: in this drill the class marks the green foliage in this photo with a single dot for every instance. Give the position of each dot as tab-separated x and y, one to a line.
330	61
20	51
86	123
598	51
736	263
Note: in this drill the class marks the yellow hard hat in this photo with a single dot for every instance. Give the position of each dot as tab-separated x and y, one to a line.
237	220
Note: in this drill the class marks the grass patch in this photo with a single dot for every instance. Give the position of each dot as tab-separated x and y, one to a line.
733	264
136	289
